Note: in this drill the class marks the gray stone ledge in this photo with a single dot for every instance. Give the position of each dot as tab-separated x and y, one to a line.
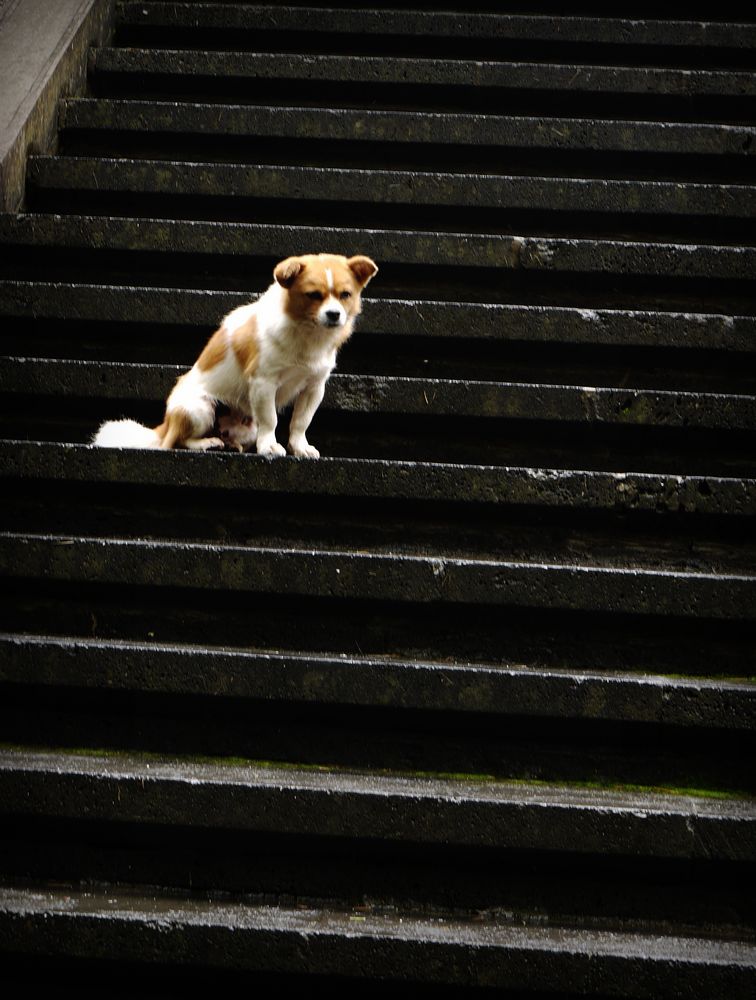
578	79
376	478
439	24
393	807
401	395
116	923
102	175
399	317
557	134
114	665
365	575
277	241
507	252
43	57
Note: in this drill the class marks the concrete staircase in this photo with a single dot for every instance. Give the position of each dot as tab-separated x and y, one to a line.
469	702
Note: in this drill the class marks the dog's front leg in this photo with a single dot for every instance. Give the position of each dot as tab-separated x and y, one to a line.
262	402
307	403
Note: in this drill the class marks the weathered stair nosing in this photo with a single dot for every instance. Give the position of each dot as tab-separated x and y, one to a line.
438	24
397	395
576	78
372	576
395	187
400	317
432	810
375	478
444	128
159	668
532	253
315	940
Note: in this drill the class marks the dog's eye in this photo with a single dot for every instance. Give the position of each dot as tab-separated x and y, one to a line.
345	295
315	296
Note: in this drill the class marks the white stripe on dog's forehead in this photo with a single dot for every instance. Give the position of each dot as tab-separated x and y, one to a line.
329	278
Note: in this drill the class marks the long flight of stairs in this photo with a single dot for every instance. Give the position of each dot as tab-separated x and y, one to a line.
469	702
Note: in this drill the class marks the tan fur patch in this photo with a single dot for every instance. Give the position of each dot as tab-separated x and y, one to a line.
179	428
214	351
363	268
244	343
287	270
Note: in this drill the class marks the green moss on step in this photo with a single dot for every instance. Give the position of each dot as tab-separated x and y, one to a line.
231	762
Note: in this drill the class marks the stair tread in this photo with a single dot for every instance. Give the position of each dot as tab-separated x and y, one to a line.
367	477
260	937
389	682
410	395
373	126
434	808
577	78
398	316
349	573
538	253
281	17
387	186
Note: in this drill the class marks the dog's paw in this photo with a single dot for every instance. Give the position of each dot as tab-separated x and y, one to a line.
305	450
209	444
271	448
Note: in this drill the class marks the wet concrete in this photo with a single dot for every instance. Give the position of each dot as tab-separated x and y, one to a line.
326	802
264	938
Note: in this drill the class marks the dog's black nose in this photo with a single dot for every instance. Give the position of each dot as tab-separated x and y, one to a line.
332	315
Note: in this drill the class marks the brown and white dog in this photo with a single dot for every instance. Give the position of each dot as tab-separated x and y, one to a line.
279	349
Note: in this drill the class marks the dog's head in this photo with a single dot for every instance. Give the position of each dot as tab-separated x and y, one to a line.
324	289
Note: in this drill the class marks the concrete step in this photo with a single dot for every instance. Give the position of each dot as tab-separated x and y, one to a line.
514	723
105	665
433	810
259	510
310	940
494	322
365	575
468	250
374	479
406	24
541	194
408	396
142	118
547	489
578	79
541	254
545	638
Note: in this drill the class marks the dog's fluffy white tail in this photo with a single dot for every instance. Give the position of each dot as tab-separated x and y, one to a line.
125	434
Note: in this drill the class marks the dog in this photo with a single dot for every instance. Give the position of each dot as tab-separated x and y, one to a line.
278	349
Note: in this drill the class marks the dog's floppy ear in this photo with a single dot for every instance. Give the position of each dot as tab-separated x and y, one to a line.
286	272
363	268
